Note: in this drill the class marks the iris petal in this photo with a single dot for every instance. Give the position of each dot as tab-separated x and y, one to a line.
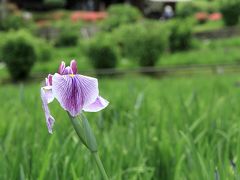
67	70
47	97
61	67
73	66
74	91
47	90
99	104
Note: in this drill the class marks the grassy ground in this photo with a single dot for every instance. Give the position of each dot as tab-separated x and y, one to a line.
208	26
221	51
171	128
208	56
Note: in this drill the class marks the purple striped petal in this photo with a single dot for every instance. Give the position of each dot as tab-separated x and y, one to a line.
99	104
47	97
74	91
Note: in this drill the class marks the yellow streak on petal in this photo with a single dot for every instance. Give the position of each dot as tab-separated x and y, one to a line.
71	75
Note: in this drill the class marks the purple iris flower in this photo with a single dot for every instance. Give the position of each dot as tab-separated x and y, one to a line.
73	91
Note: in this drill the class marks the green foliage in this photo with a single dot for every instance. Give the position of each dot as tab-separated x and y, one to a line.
102	52
43	49
231	12
120	14
149	52
127	38
19	54
65	24
13	22
144	42
180	35
69	33
3	38
66	38
186	9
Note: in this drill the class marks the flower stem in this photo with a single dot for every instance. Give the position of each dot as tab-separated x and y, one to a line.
78	128
100	165
86	136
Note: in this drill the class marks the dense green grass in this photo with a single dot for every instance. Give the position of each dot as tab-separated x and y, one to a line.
171	128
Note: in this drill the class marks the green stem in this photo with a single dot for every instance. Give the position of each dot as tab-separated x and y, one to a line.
85	134
78	128
100	165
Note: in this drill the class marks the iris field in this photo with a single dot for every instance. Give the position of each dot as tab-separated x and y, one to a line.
169	128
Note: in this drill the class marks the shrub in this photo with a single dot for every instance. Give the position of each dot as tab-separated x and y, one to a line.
43	50
69	32
66	38
2	37
120	14
180	35
126	38
187	9
66	24
231	12
150	48
102	53
144	42
19	55
12	22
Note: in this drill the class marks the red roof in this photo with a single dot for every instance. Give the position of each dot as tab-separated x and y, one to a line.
88	15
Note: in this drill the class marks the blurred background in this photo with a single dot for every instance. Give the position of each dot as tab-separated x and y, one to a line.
170	69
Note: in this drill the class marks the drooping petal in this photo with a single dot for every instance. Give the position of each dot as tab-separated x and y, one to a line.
61	67
47	90
47	97
98	105
74	91
73	66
